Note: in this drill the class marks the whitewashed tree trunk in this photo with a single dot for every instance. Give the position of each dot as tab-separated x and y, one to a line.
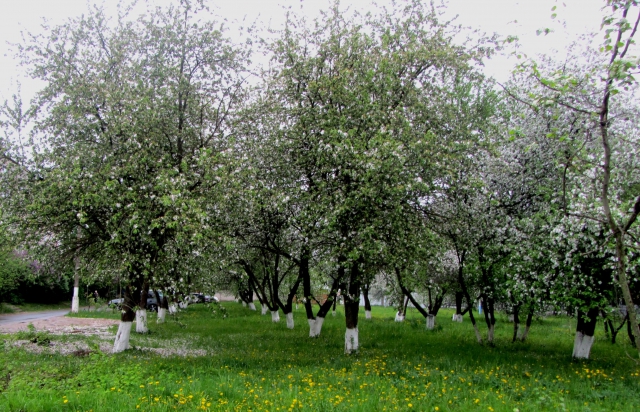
367	314
457	318
315	327
312	323
162	315
333	313
275	316
141	321
75	301
183	305
399	317
431	322
122	337
252	306
478	335
523	335
289	317
244	303
511	318
264	309
173	309
490	334
351	340
582	346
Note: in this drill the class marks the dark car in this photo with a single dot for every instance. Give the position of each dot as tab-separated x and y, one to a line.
153	302
196	297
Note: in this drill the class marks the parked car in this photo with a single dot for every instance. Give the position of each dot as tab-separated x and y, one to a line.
210	299
152	302
196	297
116	303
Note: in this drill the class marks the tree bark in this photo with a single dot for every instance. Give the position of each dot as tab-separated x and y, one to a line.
523	336
367	302
303	271
315	325
618	231
163	306
585	330
489	316
516	322
465	292
127	315
457	317
351	309
141	313
75	300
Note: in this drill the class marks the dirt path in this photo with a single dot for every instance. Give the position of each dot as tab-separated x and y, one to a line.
56	324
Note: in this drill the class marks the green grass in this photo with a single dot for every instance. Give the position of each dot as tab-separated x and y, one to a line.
252	364
6	308
36	307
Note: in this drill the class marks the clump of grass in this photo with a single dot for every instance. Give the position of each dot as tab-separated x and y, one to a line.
6	308
42	338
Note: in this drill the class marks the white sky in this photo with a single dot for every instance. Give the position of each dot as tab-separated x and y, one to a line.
506	17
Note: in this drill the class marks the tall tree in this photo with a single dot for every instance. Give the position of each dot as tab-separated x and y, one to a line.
133	120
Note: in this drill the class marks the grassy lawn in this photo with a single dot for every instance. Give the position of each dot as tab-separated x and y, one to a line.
245	362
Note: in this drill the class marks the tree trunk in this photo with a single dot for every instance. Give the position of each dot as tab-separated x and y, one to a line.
367	302
430	317
127	315
141	313
163	306
173	306
457	317
402	310
351	309
489	317
435	308
287	307
624	285
306	286
431	322
315	325
516	322
75	300
523	336
463	287
275	316
258	288
617	230
584	333
632	338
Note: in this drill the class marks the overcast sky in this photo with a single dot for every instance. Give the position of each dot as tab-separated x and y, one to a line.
506	17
